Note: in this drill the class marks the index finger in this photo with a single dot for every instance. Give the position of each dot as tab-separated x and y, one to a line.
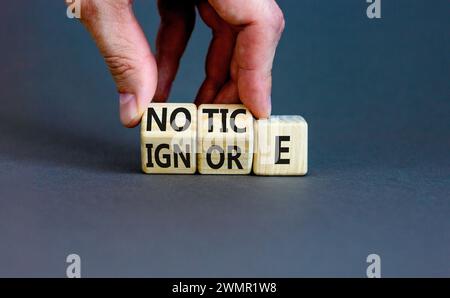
262	23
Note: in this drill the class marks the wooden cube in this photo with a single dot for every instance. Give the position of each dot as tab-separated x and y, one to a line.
168	139
225	139
281	146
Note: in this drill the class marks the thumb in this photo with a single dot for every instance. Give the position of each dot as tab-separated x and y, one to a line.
125	49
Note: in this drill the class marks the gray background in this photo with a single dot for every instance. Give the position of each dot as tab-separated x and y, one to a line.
377	98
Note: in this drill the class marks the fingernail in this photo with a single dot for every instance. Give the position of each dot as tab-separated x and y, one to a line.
128	108
269	106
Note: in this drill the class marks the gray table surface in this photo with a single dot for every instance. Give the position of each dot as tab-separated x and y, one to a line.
376	95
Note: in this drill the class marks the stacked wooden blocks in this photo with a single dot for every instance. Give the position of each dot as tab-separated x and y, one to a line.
221	139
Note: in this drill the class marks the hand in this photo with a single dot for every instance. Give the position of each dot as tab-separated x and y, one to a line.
238	64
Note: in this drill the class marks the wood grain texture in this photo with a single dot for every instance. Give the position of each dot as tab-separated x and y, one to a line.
281	146
225	139
168	139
